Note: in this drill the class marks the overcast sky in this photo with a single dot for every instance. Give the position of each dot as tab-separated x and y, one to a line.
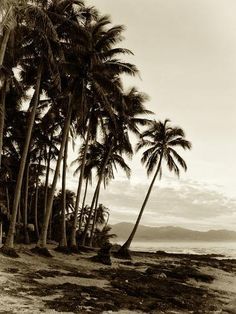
186	53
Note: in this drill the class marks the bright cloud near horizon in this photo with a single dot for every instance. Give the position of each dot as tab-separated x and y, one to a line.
186	53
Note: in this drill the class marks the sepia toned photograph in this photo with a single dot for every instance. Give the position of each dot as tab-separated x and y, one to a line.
117	156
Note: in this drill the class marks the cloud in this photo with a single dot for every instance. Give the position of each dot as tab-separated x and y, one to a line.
186	204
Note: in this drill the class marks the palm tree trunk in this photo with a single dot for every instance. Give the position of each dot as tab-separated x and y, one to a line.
36	201
3	96
83	204
108	216
63	239
79	189
4	45
126	245
2	117
10	236
94	197
0	233
25	210
94	220
42	242
7	199
36	210
47	178
19	217
8	206
90	214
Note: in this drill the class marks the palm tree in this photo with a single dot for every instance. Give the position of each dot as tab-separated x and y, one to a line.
42	242
10	12
161	140
63	238
100	70
105	157
33	50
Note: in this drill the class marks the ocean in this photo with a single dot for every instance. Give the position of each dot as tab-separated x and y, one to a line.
228	249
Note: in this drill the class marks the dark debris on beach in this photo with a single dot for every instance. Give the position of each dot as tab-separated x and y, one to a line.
160	285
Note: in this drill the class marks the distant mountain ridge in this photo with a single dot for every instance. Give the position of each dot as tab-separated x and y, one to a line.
169	233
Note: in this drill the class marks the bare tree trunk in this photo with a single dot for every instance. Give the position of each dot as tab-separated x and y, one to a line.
10	236
63	238
81	178
126	245
42	242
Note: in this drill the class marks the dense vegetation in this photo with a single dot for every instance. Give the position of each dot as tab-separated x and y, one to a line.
61	70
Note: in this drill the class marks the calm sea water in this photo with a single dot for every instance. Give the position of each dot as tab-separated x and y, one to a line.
225	248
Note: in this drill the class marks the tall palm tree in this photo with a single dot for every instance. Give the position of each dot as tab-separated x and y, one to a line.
45	61
99	67
161	140
42	242
63	238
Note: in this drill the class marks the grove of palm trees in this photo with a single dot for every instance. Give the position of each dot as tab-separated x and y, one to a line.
64	92
62	70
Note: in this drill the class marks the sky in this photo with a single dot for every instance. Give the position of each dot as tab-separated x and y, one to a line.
186	54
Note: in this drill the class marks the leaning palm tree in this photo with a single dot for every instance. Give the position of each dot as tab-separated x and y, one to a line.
161	140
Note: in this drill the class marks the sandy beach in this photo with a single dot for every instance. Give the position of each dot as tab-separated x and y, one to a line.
150	283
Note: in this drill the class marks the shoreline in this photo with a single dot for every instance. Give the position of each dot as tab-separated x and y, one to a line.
150	283
225	250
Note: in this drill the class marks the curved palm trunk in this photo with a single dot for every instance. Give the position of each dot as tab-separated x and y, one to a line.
42	242
94	197
94	220
10	236
2	117
126	245
63	239
81	177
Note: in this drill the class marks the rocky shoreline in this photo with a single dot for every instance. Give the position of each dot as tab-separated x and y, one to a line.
149	283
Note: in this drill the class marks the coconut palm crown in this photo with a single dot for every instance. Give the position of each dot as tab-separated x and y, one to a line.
161	141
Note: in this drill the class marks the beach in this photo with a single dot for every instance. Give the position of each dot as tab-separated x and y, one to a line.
149	283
